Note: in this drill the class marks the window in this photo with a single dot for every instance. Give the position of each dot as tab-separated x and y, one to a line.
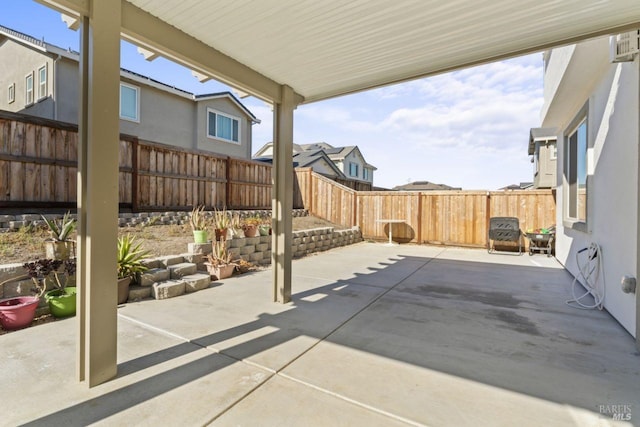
353	169
42	82
28	89
129	102
576	172
11	93
223	126
365	174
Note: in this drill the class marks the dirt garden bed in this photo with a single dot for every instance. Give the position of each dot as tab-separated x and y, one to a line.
26	244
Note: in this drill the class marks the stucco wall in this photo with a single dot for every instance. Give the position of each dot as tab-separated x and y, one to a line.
223	105
67	90
164	117
612	215
15	63
546	176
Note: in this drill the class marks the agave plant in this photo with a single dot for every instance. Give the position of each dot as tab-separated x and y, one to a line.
221	219
220	255
198	221
130	256
60	230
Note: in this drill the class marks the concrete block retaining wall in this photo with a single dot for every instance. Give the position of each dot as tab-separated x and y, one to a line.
173	275
15	222
257	250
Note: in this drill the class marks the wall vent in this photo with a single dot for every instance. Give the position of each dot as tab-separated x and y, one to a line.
625	46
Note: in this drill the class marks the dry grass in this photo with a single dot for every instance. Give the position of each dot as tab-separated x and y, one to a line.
26	244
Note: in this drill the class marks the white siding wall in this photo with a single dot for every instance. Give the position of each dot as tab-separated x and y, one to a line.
613	136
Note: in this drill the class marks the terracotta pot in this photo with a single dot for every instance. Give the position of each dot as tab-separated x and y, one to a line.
62	302
220	272
123	289
55	249
221	234
18	312
250	230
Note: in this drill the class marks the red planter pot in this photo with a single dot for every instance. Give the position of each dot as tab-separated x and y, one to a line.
18	313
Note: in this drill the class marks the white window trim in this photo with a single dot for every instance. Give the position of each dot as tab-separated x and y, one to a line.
567	221
11	93
137	89
26	91
46	77
229	116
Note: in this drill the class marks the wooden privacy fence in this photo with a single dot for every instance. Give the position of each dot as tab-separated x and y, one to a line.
458	218
38	167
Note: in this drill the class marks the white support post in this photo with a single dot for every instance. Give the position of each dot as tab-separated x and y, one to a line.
282	177
99	134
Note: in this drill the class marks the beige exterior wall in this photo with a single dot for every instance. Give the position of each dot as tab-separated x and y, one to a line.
164	117
15	63
546	162
204	142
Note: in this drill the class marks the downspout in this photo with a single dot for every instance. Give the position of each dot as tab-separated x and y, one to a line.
55	86
637	61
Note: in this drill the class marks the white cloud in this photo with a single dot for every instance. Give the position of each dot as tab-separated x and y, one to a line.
469	128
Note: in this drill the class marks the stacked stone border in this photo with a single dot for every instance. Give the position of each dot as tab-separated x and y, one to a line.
174	275
18	221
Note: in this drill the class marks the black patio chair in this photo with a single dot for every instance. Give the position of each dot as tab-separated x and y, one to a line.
504	229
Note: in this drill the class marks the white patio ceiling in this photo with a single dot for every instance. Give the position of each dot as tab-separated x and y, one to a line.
325	48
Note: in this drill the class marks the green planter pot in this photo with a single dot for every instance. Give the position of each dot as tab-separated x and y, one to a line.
200	236
62	303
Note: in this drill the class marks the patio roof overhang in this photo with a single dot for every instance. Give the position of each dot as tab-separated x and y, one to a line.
286	53
331	48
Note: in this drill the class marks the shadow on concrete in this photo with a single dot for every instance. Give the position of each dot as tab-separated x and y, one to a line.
497	324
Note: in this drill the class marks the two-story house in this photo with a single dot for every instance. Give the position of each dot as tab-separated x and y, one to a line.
591	96
40	79
544	151
336	162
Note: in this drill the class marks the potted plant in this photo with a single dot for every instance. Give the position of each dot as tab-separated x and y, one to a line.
221	224
265	227
220	264
198	222
130	257
18	312
236	227
250	226
59	245
62	298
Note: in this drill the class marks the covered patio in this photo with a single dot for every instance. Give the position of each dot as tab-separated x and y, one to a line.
287	54
375	335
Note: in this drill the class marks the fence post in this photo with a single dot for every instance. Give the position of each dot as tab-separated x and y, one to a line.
487	218
134	176
355	221
227	187
419	234
310	190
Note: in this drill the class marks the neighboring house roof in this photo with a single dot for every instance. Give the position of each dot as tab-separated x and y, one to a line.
336	154
260	154
307	159
45	47
540	134
424	186
521	186
232	97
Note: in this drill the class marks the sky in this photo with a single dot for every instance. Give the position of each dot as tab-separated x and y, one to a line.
468	128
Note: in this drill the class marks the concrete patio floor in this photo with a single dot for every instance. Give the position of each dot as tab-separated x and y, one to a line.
375	335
